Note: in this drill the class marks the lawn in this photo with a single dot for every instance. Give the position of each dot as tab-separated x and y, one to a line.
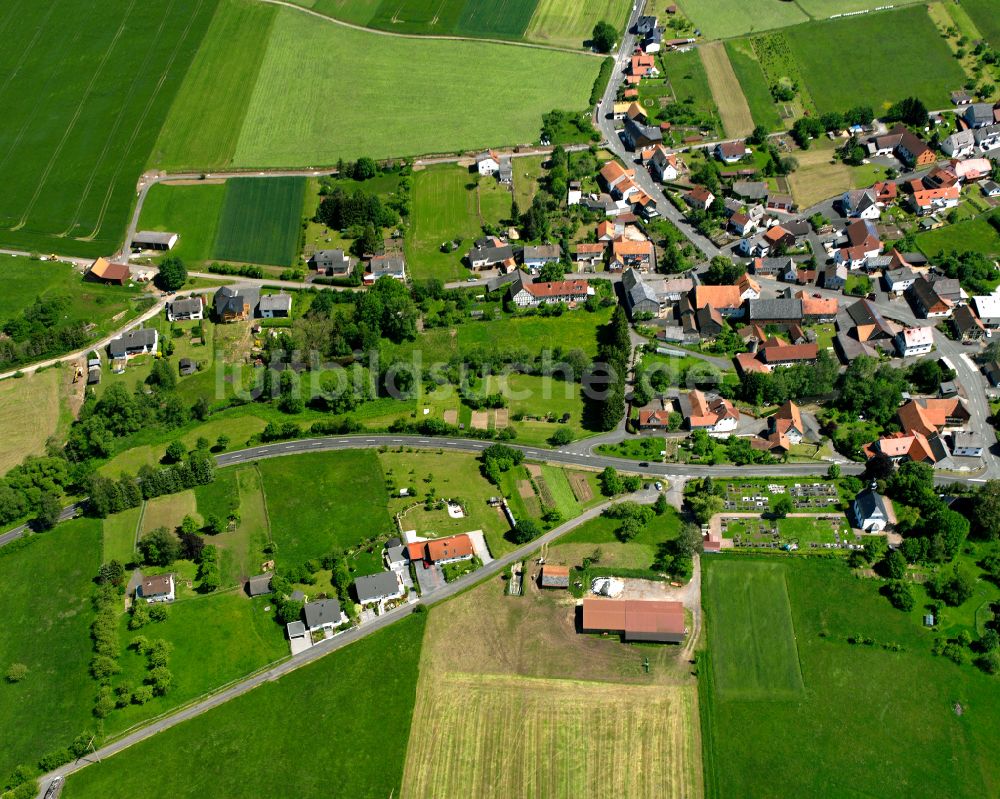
303	111
204	122
599	534
240	549
856	697
754	84
322	501
329	701
24	279
818	175
722	19
640	448
119	535
214	639
34	397
79	124
527	172
543	401
570	24
191	210
688	78
529	334
168	511
971	234
446	206
922	65
451	475
261	219
45	605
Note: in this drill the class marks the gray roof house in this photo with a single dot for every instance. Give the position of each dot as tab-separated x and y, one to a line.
750	189
870	511
260	584
135	342
640	296
395	553
273	306
235	303
777	310
978	115
333	261
376	587
190	308
638	135
323	613
385	265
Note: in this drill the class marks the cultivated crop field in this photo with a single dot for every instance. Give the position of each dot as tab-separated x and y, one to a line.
313	709
922	65
569	23
80	123
751	635
323	501
446	206
726	91
721	19
489	735
856	698
34	397
46	599
306	110
261	219
204	123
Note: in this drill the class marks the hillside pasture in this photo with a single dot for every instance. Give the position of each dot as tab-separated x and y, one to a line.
189	210
323	501
260	221
315	78
734	110
46	600
550	738
570	23
80	122
327	701
856	698
922	65
34	397
204	122
751	635
446	206
722	19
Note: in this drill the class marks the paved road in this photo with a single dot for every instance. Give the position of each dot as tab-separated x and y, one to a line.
65	515
324	648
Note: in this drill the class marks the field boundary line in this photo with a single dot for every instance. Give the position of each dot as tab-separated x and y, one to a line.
263	496
432	36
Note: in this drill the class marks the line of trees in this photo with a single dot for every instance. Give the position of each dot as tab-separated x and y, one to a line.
605	392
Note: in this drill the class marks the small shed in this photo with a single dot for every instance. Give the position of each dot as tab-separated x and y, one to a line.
260	584
555	577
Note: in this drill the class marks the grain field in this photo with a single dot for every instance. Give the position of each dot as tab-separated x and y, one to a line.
726	91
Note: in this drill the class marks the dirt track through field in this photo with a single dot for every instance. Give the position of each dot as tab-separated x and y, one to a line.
726	90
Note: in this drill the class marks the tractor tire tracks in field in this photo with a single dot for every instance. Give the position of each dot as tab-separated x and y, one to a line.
419	36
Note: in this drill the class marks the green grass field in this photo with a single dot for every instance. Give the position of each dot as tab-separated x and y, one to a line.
922	65
690	83
751	635
47	615
260	221
530	334
832	739
320	703
721	19
754	84
213	640
79	124
821	9
35	397
984	15
191	211
119	535
971	234
326	92
570	24
324	501
446	206
204	122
